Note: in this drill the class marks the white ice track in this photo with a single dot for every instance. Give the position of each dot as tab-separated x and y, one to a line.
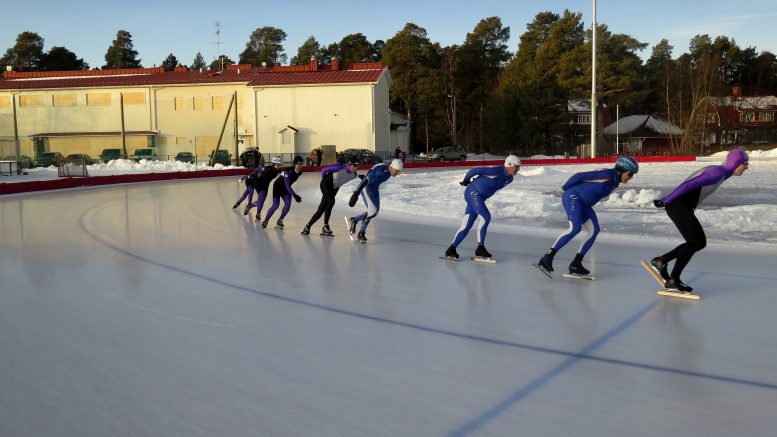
154	310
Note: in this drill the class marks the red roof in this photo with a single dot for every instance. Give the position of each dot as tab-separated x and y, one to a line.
263	76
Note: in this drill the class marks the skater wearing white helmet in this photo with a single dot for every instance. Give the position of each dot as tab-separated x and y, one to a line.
486	182
368	189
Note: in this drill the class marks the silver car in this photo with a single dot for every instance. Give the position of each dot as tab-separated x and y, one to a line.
448	153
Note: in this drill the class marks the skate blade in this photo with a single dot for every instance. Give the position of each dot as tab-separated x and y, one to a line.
543	270
649	267
574	276
482	259
278	228
449	258
680	294
348	228
327	235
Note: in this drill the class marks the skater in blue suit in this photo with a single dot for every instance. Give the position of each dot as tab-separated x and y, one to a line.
281	188
368	189
488	180
581	192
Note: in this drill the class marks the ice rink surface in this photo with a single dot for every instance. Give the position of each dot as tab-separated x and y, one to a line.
155	310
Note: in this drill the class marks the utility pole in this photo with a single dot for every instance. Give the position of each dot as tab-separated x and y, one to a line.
593	85
218	44
617	127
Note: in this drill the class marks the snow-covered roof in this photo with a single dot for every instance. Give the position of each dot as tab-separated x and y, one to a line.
761	102
579	105
634	122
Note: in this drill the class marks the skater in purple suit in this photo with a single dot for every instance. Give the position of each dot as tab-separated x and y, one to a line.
680	205
264	176
281	188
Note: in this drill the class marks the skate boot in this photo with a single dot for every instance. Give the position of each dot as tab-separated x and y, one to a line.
361	238
279	225
451	253
660	267
677	285
576	267
481	252
258	217
326	231
234	207
264	224
545	264
306	230
351	225
247	209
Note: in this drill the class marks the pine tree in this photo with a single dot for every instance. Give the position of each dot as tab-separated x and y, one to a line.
62	59
264	45
121	53
310	49
27	54
198	63
170	62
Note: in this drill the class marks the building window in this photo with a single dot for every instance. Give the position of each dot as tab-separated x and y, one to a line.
63	100
747	116
218	102
179	103
181	140
197	103
98	99
34	101
5	102
584	119
766	116
134	98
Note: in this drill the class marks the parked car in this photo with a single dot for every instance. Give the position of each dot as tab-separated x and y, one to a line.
364	155
222	157
147	154
46	159
84	156
26	161
185	157
109	154
448	153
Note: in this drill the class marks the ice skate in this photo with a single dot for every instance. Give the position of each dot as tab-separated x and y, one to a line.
305	230
247	209
675	288
659	266
326	231
451	254
279	225
577	271
234	207
482	255
258	217
264	224
361	238
545	265
351	225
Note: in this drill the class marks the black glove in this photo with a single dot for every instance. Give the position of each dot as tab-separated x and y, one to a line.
354	198
659	203
465	182
297	198
361	176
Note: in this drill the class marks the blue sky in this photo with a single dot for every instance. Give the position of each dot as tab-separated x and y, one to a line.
88	27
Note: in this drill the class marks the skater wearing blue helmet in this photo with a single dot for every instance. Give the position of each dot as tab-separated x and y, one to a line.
581	192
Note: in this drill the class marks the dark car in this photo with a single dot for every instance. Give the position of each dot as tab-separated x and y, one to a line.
222	157
147	154
448	153
26	161
46	159
84	156
110	154
364	155
185	157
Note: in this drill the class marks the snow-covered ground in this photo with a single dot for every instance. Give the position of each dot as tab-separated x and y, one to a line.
742	212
